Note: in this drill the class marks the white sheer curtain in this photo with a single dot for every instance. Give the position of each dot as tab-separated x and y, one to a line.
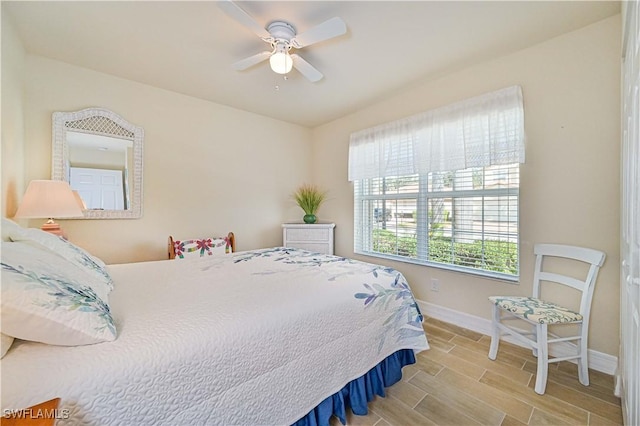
477	132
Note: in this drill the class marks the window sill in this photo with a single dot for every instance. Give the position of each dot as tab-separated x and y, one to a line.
510	279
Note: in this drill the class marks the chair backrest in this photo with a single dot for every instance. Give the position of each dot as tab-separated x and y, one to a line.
199	247
592	257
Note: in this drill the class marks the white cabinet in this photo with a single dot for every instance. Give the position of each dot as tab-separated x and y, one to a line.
316	237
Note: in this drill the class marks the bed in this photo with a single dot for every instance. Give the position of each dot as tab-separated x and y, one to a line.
270	336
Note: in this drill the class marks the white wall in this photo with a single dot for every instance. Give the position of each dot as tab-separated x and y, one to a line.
209	169
569	183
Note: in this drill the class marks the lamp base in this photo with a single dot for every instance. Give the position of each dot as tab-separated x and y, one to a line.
53	228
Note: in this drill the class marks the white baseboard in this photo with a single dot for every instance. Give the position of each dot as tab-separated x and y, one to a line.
598	361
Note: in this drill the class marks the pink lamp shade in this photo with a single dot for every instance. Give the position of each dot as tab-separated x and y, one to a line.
49	199
79	199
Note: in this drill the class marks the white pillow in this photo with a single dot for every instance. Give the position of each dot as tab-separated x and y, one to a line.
5	344
91	264
47	299
10	229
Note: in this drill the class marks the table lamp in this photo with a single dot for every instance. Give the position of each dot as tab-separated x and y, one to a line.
49	199
79	199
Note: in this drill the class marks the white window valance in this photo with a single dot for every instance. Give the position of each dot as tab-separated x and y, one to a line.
477	132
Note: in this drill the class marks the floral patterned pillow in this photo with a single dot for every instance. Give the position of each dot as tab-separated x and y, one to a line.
91	264
202	247
48	299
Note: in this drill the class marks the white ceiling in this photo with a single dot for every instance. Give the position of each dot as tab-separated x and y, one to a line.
188	47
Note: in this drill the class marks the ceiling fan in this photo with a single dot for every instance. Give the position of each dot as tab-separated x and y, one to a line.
283	38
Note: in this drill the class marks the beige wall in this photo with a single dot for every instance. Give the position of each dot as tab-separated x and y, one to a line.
12	121
569	183
208	169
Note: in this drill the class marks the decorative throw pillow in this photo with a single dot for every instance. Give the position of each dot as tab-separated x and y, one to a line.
203	247
91	264
47	299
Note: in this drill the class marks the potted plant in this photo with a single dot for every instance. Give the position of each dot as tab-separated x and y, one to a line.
309	198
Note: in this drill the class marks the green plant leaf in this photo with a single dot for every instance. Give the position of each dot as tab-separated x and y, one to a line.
309	198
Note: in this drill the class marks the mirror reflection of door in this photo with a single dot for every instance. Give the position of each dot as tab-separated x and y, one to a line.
98	169
99	188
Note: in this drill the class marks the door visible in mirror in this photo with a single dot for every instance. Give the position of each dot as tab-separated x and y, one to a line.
99	170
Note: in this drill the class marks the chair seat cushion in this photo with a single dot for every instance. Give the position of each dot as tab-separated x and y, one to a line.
536	310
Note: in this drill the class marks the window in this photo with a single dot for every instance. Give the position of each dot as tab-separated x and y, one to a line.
441	188
465	219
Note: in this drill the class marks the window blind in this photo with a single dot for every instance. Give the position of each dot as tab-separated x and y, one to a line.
464	220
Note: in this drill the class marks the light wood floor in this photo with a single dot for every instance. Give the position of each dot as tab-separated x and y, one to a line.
454	383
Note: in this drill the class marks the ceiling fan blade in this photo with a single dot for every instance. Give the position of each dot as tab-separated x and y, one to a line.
236	12
332	28
306	69
251	61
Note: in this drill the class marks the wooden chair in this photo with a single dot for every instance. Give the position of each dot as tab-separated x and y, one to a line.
200	247
542	314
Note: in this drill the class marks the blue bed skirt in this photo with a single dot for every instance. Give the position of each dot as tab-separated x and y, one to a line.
357	393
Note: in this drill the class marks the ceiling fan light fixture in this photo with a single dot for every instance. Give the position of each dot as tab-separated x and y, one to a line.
280	61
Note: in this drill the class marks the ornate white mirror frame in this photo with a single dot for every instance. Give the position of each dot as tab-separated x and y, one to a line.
101	123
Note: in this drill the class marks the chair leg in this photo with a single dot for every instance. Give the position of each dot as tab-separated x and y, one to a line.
495	333
534	350
583	363
543	359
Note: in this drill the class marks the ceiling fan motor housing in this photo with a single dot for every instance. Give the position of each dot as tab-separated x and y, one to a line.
281	31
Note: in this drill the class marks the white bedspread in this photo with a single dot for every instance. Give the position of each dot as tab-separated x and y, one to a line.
251	338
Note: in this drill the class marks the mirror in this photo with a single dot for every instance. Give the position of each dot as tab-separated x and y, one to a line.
100	155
